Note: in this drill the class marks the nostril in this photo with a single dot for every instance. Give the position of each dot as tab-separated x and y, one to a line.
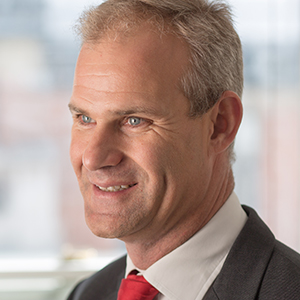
95	158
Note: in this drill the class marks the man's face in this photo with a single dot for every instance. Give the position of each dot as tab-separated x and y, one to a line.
142	164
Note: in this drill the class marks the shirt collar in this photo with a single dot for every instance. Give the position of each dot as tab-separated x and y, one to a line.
191	268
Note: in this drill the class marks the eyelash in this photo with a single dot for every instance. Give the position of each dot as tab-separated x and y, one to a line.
79	118
131	118
143	122
126	122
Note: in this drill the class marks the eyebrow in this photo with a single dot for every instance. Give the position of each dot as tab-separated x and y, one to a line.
75	109
131	111
138	110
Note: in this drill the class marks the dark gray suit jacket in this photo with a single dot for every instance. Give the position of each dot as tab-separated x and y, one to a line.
257	267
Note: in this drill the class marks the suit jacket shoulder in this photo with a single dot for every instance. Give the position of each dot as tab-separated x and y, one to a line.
103	285
282	277
258	267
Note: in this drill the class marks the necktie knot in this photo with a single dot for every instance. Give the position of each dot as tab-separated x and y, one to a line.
136	287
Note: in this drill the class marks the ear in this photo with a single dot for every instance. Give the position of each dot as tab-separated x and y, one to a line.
226	116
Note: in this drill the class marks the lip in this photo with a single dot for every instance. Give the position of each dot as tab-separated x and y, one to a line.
109	190
115	188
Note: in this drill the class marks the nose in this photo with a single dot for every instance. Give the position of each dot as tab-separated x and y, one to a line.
103	150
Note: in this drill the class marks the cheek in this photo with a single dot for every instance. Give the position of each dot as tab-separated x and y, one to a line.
158	160
153	154
76	152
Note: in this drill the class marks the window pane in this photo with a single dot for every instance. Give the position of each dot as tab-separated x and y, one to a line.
42	229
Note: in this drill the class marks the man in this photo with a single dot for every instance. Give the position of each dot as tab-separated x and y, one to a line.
156	108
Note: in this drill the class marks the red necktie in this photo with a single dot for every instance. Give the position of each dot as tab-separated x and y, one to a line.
136	288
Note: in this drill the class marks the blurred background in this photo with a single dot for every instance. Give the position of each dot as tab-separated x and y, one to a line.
45	246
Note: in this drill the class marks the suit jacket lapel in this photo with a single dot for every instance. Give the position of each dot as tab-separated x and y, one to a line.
103	285
241	275
110	281
112	288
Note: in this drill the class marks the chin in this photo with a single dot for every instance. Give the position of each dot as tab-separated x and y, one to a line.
108	230
103	233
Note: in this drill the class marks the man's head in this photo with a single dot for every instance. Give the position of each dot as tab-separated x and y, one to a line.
148	171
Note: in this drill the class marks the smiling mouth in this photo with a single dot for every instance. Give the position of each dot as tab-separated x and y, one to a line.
115	188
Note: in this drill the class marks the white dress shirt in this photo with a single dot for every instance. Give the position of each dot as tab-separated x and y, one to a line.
188	271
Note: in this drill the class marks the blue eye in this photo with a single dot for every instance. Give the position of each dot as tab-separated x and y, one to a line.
134	121
86	119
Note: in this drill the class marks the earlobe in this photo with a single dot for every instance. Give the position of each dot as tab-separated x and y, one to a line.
226	116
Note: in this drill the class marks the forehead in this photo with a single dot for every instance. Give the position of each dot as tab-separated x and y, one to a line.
142	49
144	65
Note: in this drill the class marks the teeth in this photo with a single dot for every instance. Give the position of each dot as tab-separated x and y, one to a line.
114	188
